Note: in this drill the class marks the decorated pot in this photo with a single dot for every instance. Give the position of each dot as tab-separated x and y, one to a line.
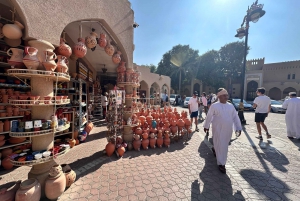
62	64
159	141
116	58
167	139
13	31
102	40
109	49
79	49
137	143
42	46
145	143
63	49
91	40
121	77
152	140
30	60
121	68
180	123
30	190
70	177
56	183
154	123
110	148
10	193
16	57
174	129
121	151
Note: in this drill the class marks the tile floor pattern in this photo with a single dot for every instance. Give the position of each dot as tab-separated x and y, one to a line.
185	171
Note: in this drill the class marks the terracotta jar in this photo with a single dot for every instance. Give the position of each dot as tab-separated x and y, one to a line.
6	164
49	62
137	142
30	60
138	131
63	49
159	141
89	127
187	122
10	193
142	119
173	122
152	140
16	57
6	152
65	167
109	49
70	177
16	140
79	49
167	139
42	46
180	123
116	58
3	91
1	126
121	68
145	142
174	129
62	64
16	111
110	148
102	42
121	151
91	40
6	125
30	190
13	31
55	184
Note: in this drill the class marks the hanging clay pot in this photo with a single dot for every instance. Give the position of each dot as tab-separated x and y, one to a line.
13	42
30	190
102	41
42	46
6	164
63	49
55	183
13	31
30	60
110	148
109	49
121	151
79	49
137	142
116	58
91	40
10	193
16	57
62	64
70	177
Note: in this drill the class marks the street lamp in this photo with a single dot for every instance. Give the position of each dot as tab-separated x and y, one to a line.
254	13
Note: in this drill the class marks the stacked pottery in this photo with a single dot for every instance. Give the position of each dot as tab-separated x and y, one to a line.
145	141
116	58
62	64
55	183
91	40
6	164
152	140
167	139
79	49
16	57
159	140
137	142
110	148
30	60
102	41
63	49
13	31
10	193
30	190
42	47
69	174
109	49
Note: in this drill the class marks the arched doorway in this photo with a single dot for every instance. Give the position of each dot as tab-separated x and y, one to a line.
275	93
144	89
165	88
196	87
154	88
251	90
286	91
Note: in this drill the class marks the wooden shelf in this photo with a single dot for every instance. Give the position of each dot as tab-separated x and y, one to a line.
14	145
5	65
39	102
14	85
57	135
31	133
13	117
3	133
28	73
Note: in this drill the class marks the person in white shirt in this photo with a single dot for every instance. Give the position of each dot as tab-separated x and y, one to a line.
104	103
292	107
193	109
262	105
204	102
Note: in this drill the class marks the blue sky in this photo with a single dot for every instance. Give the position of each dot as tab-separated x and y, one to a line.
210	24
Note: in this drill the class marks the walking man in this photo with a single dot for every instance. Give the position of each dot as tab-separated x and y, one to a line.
262	105
193	109
223	117
204	102
292	107
104	103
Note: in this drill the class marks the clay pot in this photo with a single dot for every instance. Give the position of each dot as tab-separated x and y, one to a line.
16	57
138	131
62	64
159	141
30	190
16	140
1	128
47	99
129	146
145	135
89	127
70	177
16	111
13	31
137	143
6	152
65	167
63	49
6	164
187	122
116	58
180	123
72	143
102	40
49	62
173	122
6	125
174	129
110	148
30	60
152	140
55	183
121	151
145	143
3	91
121	68
10	193
79	49
142	119
109	49
91	40
42	47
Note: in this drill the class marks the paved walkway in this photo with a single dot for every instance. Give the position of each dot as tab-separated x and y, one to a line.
185	171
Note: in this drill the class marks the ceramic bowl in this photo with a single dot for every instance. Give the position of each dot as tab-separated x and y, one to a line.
38	156
46	154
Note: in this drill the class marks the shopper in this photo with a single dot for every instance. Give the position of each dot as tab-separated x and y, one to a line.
193	109
223	117
292	107
204	102
262	105
201	108
104	103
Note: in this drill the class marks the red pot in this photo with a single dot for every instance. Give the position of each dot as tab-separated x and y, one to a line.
6	164
152	142
121	151
110	148
137	143
145	143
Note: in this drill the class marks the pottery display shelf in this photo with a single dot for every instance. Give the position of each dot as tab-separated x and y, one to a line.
14	145
38	161
49	75
3	64
39	102
122	84
14	85
13	117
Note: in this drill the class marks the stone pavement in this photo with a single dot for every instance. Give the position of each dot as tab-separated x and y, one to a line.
185	171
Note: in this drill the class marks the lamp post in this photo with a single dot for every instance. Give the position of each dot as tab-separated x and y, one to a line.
254	13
